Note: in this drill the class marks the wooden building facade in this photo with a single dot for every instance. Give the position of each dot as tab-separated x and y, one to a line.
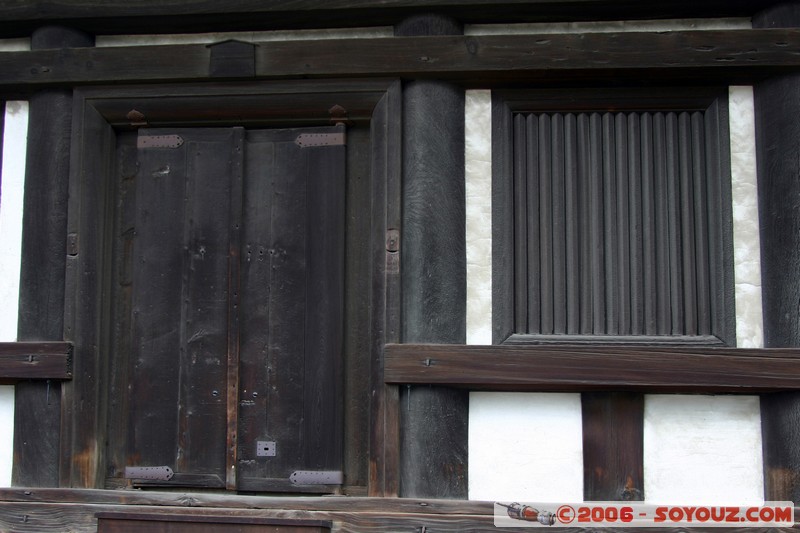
243	290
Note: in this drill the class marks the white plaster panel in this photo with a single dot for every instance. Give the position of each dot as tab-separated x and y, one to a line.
250	36
525	447
12	181
702	449
608	26
15	45
478	158
746	241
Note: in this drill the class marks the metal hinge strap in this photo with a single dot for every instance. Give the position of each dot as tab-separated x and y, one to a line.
159	473
317	477
310	140
159	141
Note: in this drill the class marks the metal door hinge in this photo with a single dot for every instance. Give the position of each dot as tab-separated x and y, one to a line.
317	477
159	473
159	141
311	140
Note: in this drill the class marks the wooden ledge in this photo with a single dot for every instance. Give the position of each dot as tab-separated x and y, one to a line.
586	368
35	360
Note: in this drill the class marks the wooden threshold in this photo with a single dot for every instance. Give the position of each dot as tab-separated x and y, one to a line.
78	511
35	360
587	368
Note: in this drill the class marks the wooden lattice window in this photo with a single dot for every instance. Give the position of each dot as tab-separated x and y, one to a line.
620	224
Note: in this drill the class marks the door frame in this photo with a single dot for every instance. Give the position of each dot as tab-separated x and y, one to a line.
99	113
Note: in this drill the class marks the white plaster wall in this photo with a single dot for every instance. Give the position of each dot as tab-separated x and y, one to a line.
525	447
478	158
747	245
12	180
609	26
702	449
250	36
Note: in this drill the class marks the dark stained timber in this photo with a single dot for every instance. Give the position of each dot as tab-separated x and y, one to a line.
38	405
777	134
613	453
587	368
19	17
35	360
433	421
735	56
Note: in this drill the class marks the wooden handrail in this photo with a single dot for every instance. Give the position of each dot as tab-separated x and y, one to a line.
35	360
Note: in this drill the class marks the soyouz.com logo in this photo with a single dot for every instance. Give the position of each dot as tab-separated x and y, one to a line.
619	514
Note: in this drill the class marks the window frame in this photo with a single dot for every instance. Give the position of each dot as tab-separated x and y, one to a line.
507	103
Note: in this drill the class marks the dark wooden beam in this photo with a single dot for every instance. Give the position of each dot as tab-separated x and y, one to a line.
728	56
613	446
778	134
433	420
35	360
44	250
384	303
19	17
60	510
586	368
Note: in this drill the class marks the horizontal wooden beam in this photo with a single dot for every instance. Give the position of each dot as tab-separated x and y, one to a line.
726	56
35	360
19	17
584	368
37	510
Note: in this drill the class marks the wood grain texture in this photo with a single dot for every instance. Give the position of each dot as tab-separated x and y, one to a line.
433	420
778	193
30	360
42	272
613	456
732	56
585	368
385	294
19	17
77	513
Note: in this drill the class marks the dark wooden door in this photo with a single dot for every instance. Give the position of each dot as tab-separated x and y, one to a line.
233	241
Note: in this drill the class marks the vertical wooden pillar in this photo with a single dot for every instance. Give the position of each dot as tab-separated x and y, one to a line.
433	420
777	103
44	238
613	446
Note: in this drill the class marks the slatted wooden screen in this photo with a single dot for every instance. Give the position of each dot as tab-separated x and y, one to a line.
618	223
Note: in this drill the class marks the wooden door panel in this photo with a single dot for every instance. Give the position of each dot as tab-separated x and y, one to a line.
291	334
180	310
231	279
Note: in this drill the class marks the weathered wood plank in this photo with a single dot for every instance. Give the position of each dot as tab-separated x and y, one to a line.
433	420
778	191
732	55
33	360
364	515
18	17
583	368
613	437
41	296
386	162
